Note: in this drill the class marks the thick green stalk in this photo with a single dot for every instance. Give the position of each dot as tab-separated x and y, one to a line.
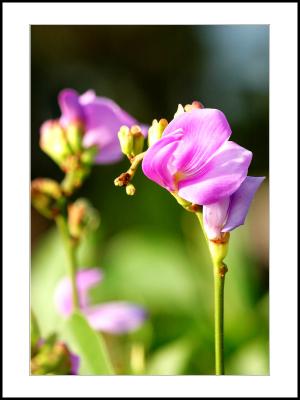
70	249
217	251
219	278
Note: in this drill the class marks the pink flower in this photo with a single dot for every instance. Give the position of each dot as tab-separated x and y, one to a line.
114	317
101	119
195	160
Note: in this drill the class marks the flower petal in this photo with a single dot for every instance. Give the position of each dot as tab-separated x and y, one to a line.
157	162
240	202
87	97
115	317
214	217
71	109
204	131
220	176
86	278
103	119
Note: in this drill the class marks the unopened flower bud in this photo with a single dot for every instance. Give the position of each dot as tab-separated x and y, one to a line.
130	189
53	141
45	196
82	217
180	110
131	140
156	130
125	139
194	106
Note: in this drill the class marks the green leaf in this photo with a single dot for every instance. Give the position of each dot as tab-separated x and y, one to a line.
171	359
88	345
34	330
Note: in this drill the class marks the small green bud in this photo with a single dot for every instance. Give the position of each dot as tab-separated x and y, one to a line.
138	140
131	140
125	139
194	106
180	110
82	217
53	141
130	189
45	196
156	130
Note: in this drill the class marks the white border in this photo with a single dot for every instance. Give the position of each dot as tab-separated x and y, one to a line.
282	18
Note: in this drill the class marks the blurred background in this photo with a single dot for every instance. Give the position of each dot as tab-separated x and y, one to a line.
151	250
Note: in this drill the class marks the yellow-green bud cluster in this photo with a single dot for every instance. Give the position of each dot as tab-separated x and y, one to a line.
131	140
65	145
53	141
46	195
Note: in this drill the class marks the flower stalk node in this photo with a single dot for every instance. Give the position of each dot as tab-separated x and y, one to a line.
222	270
218	251
194	208
123	179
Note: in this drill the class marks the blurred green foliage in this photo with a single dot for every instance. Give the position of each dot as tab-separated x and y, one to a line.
88	345
151	250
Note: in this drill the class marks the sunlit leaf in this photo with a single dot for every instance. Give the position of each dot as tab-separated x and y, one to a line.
88	345
171	359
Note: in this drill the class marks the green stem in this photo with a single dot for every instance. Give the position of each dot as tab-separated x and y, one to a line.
126	177
219	269
219	279
135	162
67	184
70	249
199	215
